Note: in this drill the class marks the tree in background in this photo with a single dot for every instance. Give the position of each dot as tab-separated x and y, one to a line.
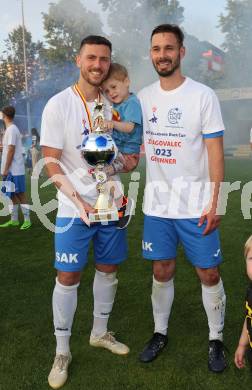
131	26
65	24
12	73
237	27
6	85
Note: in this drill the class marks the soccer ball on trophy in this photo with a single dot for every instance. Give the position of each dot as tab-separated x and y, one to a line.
99	148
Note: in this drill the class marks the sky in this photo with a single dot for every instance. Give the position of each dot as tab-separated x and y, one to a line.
201	17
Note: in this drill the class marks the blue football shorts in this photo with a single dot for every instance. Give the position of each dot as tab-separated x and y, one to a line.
13	185
162	236
71	246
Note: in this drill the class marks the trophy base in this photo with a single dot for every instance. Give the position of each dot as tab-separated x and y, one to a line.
104	216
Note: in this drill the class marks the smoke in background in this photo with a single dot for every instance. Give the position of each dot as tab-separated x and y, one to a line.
228	68
130	28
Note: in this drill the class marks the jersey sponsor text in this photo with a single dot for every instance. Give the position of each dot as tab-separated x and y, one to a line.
147	246
67	258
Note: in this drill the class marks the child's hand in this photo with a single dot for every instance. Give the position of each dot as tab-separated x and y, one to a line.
108	125
239	358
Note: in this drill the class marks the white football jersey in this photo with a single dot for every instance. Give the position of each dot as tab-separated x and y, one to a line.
174	125
12	136
64	126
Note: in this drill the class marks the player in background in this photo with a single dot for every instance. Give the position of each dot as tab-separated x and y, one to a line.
35	151
13	171
250	138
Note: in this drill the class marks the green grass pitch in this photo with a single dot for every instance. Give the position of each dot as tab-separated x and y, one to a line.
26	332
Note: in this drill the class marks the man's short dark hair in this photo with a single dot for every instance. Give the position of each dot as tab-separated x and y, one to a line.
170	28
95	40
9	111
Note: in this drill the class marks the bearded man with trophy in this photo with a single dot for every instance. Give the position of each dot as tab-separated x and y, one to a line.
76	149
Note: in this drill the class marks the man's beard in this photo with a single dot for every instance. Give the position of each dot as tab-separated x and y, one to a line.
168	73
94	83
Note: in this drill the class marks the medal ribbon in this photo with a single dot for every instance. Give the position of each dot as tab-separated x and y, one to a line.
78	91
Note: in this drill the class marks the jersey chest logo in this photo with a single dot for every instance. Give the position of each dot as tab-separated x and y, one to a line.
174	116
154	118
85	130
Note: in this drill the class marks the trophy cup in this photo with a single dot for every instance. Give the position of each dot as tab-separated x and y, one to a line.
99	149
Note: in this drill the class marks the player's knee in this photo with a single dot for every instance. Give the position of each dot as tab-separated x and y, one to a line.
106	268
68	278
210	277
21	197
163	270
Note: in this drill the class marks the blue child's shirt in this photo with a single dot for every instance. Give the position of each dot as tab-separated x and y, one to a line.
130	111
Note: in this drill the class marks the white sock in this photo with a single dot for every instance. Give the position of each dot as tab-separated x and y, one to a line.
64	306
162	299
214	301
63	345
104	290
14	212
26	211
